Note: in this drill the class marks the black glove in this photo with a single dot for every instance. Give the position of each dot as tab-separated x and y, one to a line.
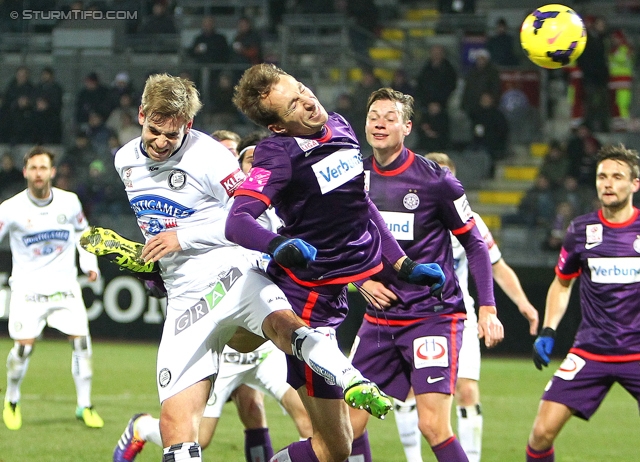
291	253
543	347
423	274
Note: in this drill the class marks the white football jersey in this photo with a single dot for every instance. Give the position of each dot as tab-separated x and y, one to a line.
462	264
188	193
43	241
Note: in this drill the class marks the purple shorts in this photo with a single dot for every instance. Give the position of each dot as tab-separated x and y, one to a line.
319	307
581	384
398	355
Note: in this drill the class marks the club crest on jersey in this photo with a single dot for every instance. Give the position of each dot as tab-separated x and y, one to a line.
62	219
177	179
164	377
431	351
411	201
306	145
594	235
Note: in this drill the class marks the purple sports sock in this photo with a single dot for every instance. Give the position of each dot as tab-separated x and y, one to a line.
300	451
546	455
449	451
360	447
257	445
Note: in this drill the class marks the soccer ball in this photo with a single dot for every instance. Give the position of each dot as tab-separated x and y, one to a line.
553	36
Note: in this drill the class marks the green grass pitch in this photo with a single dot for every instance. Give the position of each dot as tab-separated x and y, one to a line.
124	384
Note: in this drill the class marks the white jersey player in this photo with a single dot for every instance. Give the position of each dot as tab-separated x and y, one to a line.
179	182
44	225
467	391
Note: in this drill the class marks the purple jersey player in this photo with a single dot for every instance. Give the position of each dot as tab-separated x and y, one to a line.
310	170
416	340
602	249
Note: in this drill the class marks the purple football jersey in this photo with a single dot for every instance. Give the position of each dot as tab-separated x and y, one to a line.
421	203
316	185
606	257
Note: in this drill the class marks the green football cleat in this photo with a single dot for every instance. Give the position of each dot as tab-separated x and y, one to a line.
363	394
12	416
89	416
117	249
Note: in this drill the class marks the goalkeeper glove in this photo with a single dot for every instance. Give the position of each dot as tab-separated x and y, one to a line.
423	274
543	346
291	253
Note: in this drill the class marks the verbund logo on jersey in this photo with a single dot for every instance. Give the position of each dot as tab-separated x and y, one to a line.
338	168
615	270
400	224
156	205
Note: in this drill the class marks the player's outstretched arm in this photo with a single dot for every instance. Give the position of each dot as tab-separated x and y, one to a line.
508	281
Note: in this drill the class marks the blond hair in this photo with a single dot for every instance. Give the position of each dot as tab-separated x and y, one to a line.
168	97
442	159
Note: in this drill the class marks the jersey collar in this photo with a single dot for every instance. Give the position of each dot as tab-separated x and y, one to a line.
618	225
399	165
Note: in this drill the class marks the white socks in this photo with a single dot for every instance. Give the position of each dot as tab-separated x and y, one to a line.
82	370
406	415
17	365
470	431
148	429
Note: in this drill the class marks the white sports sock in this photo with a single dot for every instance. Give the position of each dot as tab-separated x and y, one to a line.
17	365
406	415
324	357
470	431
190	452
148	429
82	370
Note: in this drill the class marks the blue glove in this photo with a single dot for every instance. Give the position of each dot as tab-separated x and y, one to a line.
543	347
291	253
423	274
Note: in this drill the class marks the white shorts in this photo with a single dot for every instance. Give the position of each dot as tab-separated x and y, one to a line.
264	369
198	325
469	360
30	312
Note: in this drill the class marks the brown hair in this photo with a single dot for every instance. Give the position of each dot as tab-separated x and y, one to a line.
253	87
621	153
36	151
168	97
389	94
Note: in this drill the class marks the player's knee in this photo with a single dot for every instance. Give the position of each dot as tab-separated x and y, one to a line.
21	351
541	437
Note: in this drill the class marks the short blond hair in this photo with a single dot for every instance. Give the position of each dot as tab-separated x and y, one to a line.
442	159
168	97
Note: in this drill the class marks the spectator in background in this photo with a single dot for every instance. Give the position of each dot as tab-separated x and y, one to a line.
121	85
224	113
99	134
581	150
50	89
365	28
621	73
501	45
433	132
209	47
402	83
99	193
129	128
436	81
19	86
555	164
580	198
160	21
595	75
47	124
345	107
94	97
229	140
247	44
537	207
20	120
11	178
490	130
127	106
483	78
81	153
